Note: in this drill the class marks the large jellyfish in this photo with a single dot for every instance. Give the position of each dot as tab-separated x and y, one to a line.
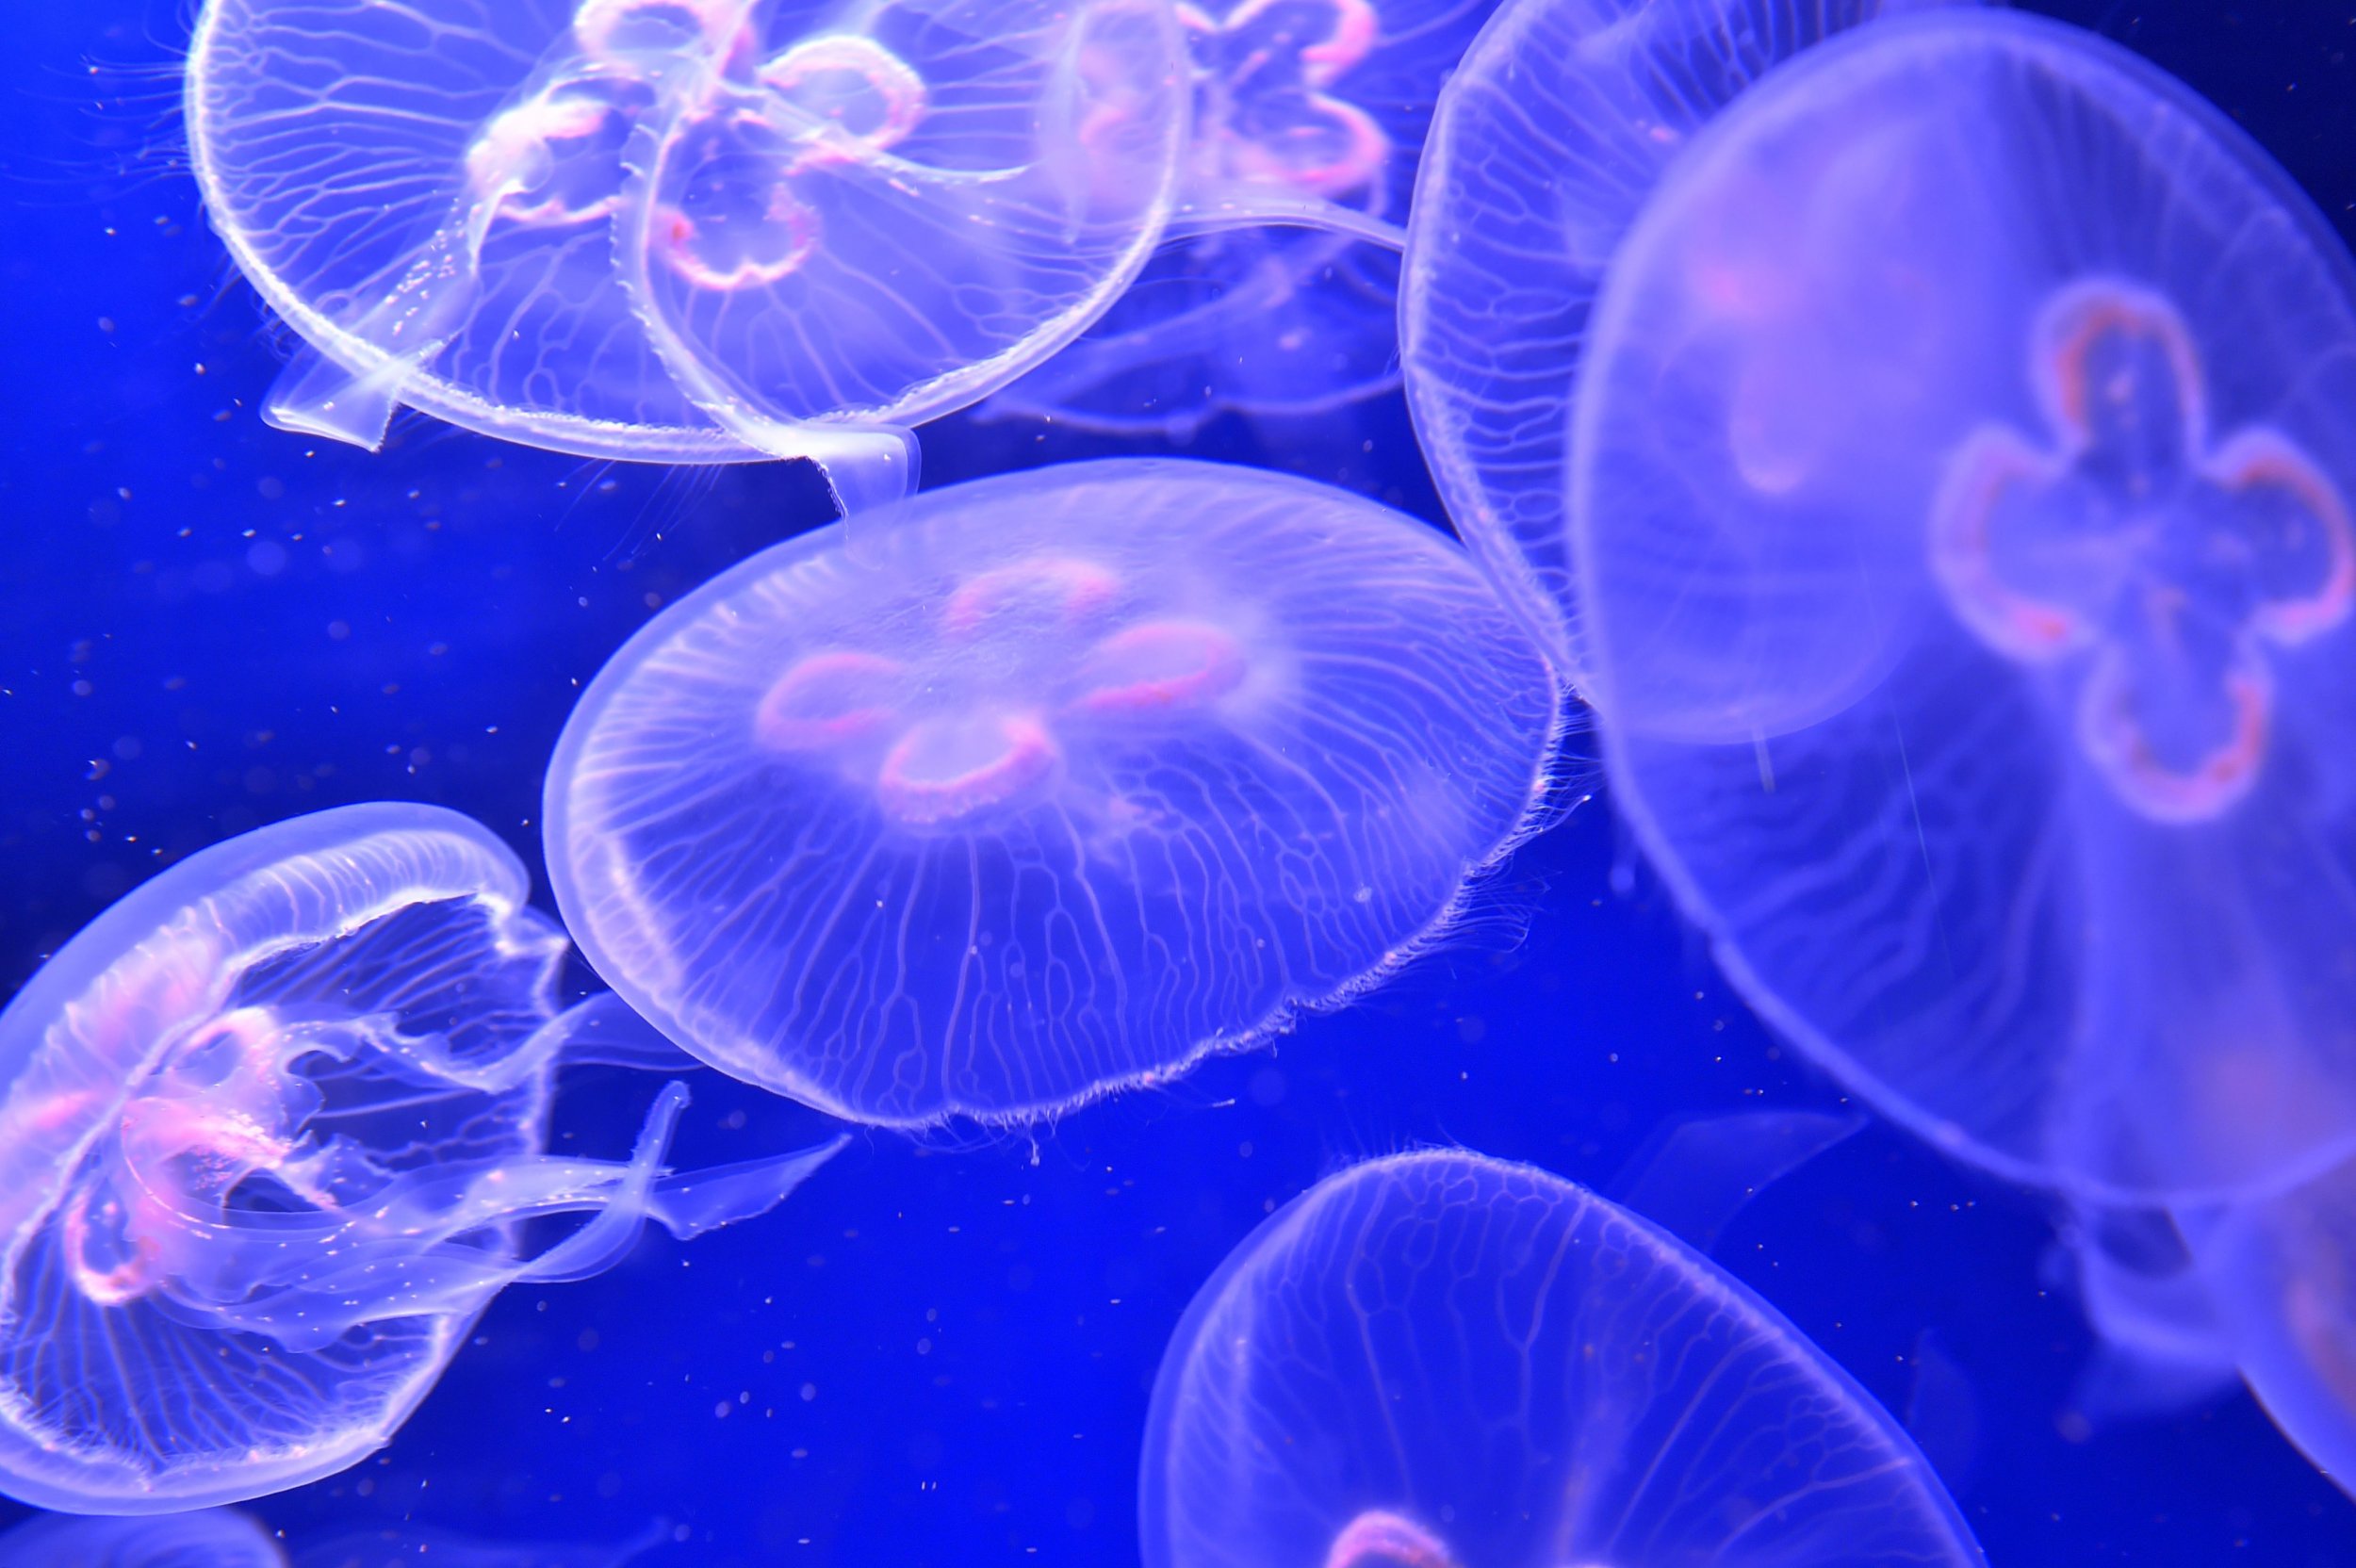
1551	136
1277	294
1959	501
209	1538
682	230
1445	1360
272	1136
1045	785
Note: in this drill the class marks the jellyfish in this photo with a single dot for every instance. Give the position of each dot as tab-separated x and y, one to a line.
682	231
1277	294
1441	1359
1561	121
1960	497
209	1538
275	1132
2282	1272
1042	786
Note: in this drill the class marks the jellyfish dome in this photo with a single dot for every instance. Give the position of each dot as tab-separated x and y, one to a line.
270	1130
1558	126
1278	294
1041	786
1959	499
684	230
1445	1360
209	1538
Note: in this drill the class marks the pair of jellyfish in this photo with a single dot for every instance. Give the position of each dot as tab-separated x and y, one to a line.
226	1538
1945	503
1043	785
273	1132
1953	536
1445	1360
714	230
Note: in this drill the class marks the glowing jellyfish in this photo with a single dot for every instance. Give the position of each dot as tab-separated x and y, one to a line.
1962	530
1047	785
211	1538
1279	297
684	230
2281	1270
1443	1361
1560	122
272	1127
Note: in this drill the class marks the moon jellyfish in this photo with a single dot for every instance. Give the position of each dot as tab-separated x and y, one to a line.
1443	1361
684	231
212	1538
1310	116
1959	499
273	1135
2281	1270
1558	126
1054	783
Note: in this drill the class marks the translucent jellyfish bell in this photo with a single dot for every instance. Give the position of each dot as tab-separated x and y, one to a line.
1558	124
1443	1361
1278	294
1057	782
210	1538
682	231
1963	540
272	1132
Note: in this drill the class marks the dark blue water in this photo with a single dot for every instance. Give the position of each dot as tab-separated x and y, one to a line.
938	1354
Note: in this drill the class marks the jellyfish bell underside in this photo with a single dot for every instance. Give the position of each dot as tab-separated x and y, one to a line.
1563	119
1058	782
1275	294
273	1135
1445	1360
713	232
1964	557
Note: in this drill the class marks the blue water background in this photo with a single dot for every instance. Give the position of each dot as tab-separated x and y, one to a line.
938	1354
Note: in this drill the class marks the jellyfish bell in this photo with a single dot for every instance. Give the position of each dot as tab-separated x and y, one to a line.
1060	781
1561	120
1961	534
1443	1361
208	1538
1275	295
273	1134
715	231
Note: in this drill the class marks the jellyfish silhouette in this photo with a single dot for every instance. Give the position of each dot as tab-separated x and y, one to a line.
1043	785
1958	498
684	230
1445	1360
2282	1272
209	1538
1558	126
273	1135
1278	293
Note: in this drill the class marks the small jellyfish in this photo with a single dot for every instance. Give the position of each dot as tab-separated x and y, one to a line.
272	1135
1278	293
1044	785
1551	136
2281	1270
1445	1360
210	1538
685	231
1960	497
